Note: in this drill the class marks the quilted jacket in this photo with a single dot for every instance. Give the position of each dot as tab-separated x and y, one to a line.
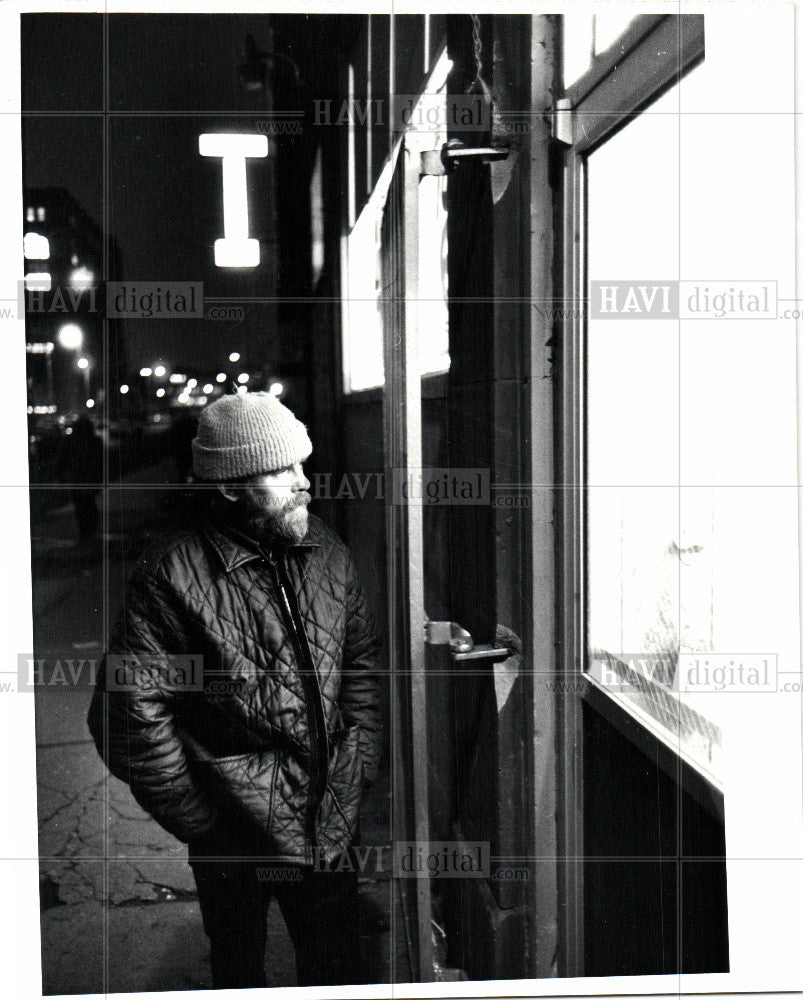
243	681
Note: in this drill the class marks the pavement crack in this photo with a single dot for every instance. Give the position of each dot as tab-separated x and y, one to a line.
59	809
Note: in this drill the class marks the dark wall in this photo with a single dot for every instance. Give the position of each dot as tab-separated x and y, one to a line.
655	897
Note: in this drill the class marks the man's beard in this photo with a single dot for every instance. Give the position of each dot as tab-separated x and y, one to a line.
267	519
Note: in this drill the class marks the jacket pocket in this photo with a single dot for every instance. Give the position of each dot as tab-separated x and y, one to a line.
250	780
338	813
271	788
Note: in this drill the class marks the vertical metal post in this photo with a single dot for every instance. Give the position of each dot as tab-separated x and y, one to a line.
572	568
546	631
51	385
415	551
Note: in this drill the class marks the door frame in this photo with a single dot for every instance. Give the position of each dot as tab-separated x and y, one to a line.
403	450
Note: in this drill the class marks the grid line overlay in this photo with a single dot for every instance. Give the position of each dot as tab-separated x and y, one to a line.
109	489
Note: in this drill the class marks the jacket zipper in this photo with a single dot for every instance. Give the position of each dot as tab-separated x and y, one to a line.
312	692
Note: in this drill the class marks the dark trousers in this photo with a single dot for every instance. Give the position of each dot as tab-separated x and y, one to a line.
320	909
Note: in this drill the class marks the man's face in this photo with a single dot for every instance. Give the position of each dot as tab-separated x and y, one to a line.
275	504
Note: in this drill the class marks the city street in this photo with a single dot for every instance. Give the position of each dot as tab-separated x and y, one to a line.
116	890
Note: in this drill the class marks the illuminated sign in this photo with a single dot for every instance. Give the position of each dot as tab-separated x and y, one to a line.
236	249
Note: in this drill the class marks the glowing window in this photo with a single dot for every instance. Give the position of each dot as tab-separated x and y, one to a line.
36	247
38	281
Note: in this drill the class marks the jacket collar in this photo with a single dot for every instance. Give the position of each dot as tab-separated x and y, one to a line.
234	549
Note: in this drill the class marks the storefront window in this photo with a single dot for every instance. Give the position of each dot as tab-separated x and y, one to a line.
685	354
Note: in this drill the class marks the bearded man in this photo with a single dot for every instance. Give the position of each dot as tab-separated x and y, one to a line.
247	720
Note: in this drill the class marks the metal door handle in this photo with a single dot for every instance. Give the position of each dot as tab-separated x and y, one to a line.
460	643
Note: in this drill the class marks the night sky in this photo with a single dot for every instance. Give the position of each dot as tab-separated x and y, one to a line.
171	77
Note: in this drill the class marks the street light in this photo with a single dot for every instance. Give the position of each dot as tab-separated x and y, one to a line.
82	278
71	337
83	364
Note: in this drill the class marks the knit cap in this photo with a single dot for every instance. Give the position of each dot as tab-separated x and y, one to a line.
247	434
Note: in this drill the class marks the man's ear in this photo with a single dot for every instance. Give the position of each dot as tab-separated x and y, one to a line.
229	492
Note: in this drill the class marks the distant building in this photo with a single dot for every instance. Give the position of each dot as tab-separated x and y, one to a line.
62	296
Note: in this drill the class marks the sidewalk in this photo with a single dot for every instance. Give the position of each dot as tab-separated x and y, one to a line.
116	890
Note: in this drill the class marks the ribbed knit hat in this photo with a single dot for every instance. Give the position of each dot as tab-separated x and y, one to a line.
247	434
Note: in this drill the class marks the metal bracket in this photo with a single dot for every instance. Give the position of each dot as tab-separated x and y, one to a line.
460	643
437	162
563	121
